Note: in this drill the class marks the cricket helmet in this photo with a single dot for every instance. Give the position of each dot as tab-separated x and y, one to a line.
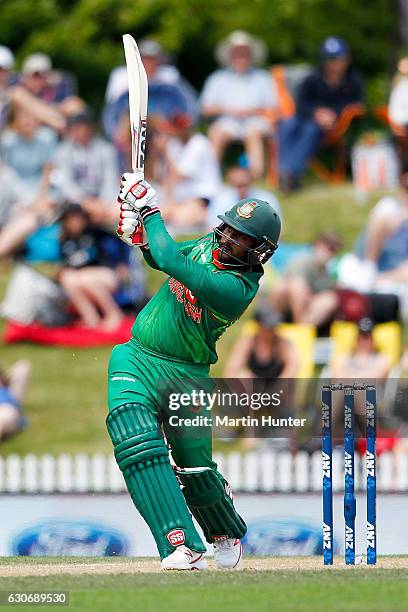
257	219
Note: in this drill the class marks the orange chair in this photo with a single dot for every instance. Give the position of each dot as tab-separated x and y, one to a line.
399	131
287	80
334	139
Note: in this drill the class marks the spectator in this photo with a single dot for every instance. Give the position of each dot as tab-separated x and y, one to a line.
364	365
43	83
192	174
364	362
13	95
264	356
383	220
398	103
6	80
13	385
322	97
239	186
164	81
85	276
381	259
86	169
12	193
260	352
397	111
27	147
385	260
306	290
238	97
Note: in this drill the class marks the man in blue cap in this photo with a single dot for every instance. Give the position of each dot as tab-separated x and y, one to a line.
321	98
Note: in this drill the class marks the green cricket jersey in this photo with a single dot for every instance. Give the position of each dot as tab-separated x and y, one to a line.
197	303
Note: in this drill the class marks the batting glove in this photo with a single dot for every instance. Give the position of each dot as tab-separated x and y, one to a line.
138	193
130	228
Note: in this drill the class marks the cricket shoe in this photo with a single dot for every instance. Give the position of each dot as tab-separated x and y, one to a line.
184	559
227	552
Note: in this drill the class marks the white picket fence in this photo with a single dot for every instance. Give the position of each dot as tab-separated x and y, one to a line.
266	471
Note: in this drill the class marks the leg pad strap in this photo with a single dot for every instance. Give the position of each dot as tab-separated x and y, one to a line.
209	498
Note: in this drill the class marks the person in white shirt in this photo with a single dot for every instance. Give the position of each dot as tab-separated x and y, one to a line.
398	103
240	98
192	173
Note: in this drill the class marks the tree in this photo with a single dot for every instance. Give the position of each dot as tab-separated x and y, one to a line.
84	36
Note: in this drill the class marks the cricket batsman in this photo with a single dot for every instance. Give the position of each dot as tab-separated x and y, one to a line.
211	281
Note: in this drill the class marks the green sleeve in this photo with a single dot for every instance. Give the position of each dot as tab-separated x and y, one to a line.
183	247
224	293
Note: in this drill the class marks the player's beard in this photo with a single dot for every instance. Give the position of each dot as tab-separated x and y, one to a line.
225	251
227	257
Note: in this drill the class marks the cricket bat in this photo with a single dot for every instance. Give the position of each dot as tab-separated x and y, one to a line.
138	94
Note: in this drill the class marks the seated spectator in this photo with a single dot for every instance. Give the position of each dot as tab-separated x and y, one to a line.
321	98
386	216
160	73
262	355
27	147
13	95
393	261
398	102
384	256
381	259
192	174
364	362
12	193
239	185
306	290
13	385
42	82
85	276
86	170
260	352
237	98
397	114
364	365
6	81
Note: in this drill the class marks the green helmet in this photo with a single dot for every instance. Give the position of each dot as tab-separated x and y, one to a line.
255	218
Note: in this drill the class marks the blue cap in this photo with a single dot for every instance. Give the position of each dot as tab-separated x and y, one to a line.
333	47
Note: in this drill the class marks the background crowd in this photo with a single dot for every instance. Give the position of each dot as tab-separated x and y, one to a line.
252	131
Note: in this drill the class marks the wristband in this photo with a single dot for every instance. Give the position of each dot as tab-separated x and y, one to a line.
148	211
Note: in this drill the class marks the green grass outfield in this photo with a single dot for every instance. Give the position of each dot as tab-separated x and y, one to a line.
136	585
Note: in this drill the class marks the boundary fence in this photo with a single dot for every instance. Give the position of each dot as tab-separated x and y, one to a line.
257	471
